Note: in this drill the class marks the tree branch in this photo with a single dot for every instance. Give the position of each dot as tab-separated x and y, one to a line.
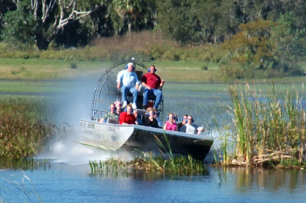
75	15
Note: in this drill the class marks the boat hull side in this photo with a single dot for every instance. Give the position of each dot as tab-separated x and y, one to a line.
108	136
145	138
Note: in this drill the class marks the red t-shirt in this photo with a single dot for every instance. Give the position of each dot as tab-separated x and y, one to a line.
127	118
152	80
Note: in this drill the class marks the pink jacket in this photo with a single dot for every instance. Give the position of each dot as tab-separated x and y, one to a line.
170	126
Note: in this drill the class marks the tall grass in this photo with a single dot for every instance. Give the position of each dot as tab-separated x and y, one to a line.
269	127
25	127
147	161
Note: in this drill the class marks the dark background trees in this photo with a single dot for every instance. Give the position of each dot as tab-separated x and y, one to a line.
256	34
73	23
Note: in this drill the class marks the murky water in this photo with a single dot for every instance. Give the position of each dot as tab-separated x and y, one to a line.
67	178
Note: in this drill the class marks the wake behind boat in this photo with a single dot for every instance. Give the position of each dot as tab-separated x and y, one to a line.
113	137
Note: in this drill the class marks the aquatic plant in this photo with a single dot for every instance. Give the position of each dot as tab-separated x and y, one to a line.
268	127
112	166
147	161
25	127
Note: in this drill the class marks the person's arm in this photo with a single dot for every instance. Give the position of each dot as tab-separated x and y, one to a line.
119	79
146	86
162	83
176	128
144	82
165	126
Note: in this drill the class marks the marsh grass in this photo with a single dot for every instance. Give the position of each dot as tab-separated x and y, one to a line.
269	127
25	127
115	167
147	161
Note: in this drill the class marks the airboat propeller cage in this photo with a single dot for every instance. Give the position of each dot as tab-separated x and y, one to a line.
106	91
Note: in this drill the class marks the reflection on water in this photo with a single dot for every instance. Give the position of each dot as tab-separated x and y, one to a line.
272	180
67	183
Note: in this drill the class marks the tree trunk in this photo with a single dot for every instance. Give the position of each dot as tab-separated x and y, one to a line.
129	29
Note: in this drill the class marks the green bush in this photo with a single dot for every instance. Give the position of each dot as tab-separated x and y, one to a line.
204	67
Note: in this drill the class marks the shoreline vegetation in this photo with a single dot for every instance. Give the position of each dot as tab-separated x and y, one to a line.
25	127
268	128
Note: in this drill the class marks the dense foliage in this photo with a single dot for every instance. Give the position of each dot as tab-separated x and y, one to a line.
25	127
73	23
265	37
274	48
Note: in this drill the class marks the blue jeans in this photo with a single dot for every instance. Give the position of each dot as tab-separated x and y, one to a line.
148	93
133	90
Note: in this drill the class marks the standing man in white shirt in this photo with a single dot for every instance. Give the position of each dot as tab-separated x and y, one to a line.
130	82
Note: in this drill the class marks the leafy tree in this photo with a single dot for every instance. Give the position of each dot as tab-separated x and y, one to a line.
178	20
136	13
5	6
20	27
248	50
50	16
289	43
265	45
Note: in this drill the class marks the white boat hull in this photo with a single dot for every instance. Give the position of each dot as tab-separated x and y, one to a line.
114	136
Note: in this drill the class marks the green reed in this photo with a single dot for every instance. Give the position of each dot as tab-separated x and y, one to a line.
25	126
112	166
268	126
147	161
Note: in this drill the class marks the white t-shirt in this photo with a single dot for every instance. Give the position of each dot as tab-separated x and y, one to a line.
189	128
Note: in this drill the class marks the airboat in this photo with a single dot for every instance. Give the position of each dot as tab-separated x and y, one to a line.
115	137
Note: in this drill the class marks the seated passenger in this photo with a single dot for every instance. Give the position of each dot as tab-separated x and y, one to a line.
149	120
111	116
127	117
118	107
156	116
138	118
130	83
170	124
190	127
184	121
152	83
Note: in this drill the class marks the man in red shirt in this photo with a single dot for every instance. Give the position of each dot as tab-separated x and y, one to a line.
152	83
127	117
